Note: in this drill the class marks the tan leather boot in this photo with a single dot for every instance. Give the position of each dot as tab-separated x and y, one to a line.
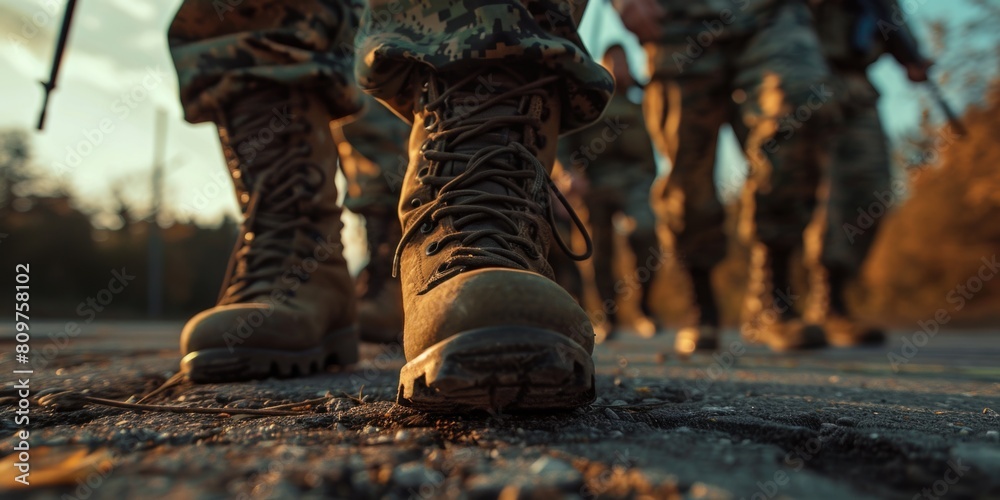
842	328
287	304
380	298
486	326
702	332
769	312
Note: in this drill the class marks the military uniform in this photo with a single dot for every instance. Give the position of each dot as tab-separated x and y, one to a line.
860	164
616	157
860	169
219	50
757	65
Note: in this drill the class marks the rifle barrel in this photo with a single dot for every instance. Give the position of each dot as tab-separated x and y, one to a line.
56	60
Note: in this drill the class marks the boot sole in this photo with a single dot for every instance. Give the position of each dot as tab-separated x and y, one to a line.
812	337
222	364
499	368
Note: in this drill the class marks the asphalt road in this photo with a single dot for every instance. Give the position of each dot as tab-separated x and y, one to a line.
917	419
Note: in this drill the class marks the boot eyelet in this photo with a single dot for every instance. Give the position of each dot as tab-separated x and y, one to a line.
415	202
432	248
426	227
423	172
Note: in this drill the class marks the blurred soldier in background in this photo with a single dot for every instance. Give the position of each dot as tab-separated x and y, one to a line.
853	37
567	273
475	204
615	157
373	157
758	65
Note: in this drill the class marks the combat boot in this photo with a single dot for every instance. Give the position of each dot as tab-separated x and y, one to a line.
703	332
380	298
287	303
769	312
842	329
487	328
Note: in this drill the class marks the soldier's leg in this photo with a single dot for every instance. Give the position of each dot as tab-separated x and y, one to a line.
271	75
373	157
683	117
488	91
859	177
601	208
786	106
643	240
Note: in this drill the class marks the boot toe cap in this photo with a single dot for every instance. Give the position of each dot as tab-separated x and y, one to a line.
493	298
247	326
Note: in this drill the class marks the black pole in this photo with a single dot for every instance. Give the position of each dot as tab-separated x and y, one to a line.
50	85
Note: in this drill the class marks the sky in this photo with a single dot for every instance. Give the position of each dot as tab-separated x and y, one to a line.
117	74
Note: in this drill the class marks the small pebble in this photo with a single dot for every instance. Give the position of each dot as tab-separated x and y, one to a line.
994	435
608	412
618	402
549	465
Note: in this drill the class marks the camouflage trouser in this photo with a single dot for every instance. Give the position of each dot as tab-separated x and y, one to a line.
859	177
373	158
771	85
218	49
221	48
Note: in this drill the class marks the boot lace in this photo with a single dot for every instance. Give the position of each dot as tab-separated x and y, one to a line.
500	161
282	184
